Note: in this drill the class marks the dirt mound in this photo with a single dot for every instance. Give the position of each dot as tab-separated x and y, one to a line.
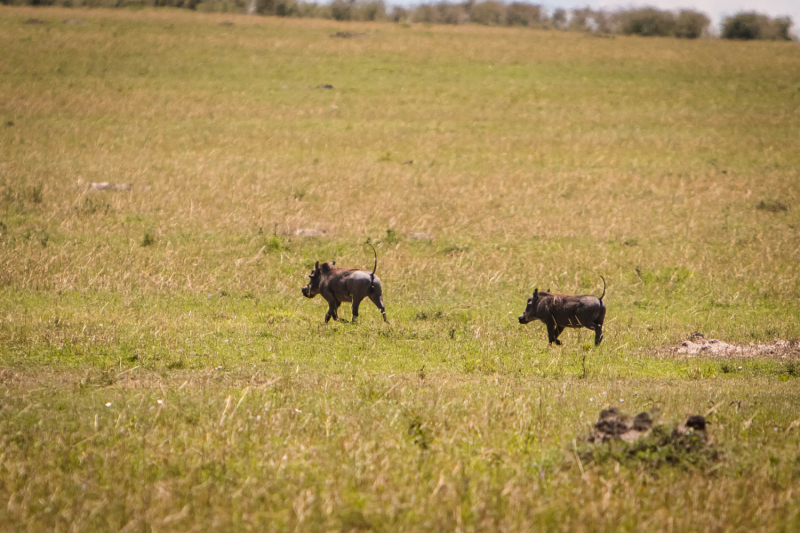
697	344
613	425
643	442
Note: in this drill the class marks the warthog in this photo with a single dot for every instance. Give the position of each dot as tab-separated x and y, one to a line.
559	311
338	285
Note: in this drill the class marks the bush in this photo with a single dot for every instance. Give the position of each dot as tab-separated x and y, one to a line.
521	14
451	13
488	13
441	13
589	20
691	24
375	10
343	9
400	14
747	26
559	19
426	14
647	22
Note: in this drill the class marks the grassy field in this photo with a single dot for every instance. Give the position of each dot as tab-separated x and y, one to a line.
162	372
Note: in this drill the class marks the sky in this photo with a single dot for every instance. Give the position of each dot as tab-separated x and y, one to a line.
715	9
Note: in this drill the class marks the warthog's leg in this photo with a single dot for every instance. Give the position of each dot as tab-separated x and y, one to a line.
551	333
598	334
558	331
377	299
333	311
356	303
336	312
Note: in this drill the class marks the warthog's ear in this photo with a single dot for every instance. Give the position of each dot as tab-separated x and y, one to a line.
535	292
316	267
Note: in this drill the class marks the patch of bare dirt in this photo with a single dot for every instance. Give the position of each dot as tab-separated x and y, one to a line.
108	186
310	232
697	344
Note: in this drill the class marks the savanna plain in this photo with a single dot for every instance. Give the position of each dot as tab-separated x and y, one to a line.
161	370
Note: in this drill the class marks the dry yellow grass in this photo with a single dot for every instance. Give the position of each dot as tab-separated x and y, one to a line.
537	159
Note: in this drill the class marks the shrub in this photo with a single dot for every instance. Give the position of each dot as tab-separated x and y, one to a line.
375	10
521	14
343	9
425	13
286	8
400	14
743	26
451	13
148	239
441	13
589	20
646	22
691	24
488	13
747	26
559	20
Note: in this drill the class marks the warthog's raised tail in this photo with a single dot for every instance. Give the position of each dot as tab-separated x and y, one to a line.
604	287
374	268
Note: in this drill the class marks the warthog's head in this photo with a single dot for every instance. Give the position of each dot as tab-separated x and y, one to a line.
312	289
530	310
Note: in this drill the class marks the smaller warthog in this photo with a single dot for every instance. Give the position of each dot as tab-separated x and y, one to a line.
338	285
559	311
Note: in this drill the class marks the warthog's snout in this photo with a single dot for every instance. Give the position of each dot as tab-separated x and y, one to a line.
305	292
522	319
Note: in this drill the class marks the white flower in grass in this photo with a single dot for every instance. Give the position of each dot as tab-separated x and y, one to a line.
108	404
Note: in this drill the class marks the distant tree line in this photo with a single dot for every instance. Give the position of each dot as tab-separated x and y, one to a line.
647	22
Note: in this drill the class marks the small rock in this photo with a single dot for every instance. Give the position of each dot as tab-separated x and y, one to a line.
324	86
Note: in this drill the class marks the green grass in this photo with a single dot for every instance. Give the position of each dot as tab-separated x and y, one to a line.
539	159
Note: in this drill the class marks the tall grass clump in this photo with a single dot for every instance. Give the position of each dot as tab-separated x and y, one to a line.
754	26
